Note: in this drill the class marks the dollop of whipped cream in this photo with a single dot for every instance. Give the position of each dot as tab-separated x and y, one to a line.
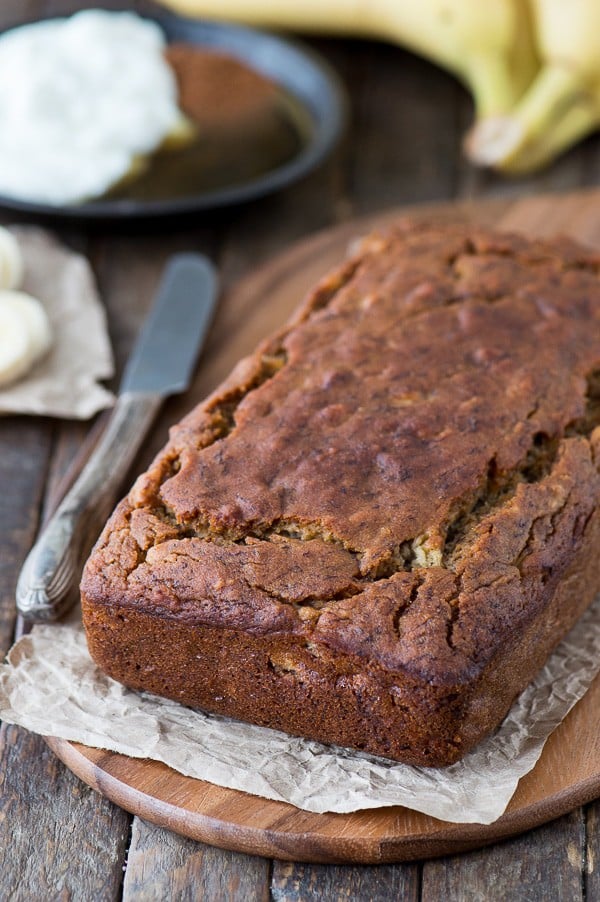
80	99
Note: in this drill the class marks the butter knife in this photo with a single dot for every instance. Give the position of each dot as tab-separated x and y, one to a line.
161	364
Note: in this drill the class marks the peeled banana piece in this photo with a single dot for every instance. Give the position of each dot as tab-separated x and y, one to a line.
25	334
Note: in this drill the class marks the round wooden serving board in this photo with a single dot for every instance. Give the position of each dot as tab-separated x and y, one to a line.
568	772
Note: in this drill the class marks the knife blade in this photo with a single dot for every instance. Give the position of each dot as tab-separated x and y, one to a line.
161	364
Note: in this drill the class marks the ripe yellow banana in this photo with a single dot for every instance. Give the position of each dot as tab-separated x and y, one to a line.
488	44
562	104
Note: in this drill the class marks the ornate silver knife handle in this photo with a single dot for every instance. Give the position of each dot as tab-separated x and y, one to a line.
49	581
161	364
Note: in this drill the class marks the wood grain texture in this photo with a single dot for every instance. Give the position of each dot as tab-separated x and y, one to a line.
24	460
161	866
312	883
517	869
59	839
591	870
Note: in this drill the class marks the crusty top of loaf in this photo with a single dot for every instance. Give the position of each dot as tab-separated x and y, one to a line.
403	472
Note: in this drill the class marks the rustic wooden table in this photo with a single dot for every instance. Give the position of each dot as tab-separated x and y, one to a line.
61	840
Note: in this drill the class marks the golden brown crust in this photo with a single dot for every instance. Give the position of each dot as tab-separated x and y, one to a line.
380	508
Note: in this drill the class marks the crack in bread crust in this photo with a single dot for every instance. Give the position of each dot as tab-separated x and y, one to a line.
496	491
438	545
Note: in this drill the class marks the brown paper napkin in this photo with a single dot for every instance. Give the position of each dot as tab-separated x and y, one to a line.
51	686
65	382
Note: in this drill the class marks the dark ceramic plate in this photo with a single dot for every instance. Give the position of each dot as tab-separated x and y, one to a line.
299	72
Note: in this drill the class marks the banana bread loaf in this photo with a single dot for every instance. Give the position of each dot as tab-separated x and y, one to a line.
376	530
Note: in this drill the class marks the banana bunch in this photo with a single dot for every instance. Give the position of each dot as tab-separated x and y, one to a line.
561	105
532	66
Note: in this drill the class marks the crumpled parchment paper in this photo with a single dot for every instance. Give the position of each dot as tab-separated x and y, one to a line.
51	686
65	382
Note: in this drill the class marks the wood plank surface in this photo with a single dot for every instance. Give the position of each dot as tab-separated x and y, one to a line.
515	869
59	838
162	865
591	856
314	882
24	460
402	147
